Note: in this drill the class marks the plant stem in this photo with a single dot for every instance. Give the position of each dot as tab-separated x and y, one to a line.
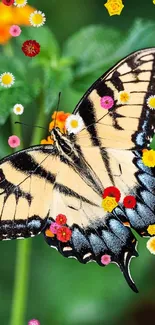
24	246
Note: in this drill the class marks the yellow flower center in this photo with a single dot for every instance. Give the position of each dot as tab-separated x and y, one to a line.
151	229
115	6
74	123
20	2
6	79
64	234
151	102
37	19
18	109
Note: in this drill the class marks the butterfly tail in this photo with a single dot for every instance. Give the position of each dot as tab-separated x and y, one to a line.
125	268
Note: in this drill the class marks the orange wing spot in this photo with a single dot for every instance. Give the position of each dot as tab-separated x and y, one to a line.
126	224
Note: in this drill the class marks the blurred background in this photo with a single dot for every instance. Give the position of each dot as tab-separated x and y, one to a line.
79	42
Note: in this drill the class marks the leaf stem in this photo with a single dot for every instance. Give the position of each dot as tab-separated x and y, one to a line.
21	282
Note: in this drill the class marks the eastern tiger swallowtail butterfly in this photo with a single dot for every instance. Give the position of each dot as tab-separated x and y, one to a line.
84	192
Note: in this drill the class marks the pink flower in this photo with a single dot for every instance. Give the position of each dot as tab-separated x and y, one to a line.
54	227
105	259
15	30
33	322
14	141
107	102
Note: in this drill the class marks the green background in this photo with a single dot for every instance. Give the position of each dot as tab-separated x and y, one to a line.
62	291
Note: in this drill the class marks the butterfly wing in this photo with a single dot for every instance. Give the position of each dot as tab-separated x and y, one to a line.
26	182
115	109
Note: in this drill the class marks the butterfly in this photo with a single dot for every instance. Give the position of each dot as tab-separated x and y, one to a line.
96	182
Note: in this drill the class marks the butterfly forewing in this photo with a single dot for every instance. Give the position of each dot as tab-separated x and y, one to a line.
26	183
125	125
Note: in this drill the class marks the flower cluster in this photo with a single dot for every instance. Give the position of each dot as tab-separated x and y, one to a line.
58	120
105	259
74	124
58	228
148	157
33	322
123	97
111	196
31	48
114	7
12	15
106	102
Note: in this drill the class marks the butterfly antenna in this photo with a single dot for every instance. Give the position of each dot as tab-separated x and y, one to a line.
57	109
34	126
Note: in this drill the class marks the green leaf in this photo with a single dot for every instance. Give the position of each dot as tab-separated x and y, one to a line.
141	35
54	82
92	48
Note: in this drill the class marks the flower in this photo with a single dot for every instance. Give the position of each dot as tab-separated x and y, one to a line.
151	245
109	203
14	141
31	48
112	191
15	30
37	18
11	15
123	97
58	120
151	102
18	109
20	3
61	219
129	201
74	123
8	2
48	141
49	233
114	7
33	322
7	79
107	102
105	259
64	234
151	229
54	227
148	157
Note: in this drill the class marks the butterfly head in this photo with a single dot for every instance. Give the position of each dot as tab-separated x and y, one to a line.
62	142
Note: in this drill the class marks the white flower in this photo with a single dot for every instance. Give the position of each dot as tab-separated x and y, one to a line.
37	18
18	109
7	79
74	124
151	102
123	97
20	3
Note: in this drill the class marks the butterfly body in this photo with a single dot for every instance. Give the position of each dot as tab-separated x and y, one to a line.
94	179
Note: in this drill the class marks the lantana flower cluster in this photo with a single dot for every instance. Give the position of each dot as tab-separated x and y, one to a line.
59	229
